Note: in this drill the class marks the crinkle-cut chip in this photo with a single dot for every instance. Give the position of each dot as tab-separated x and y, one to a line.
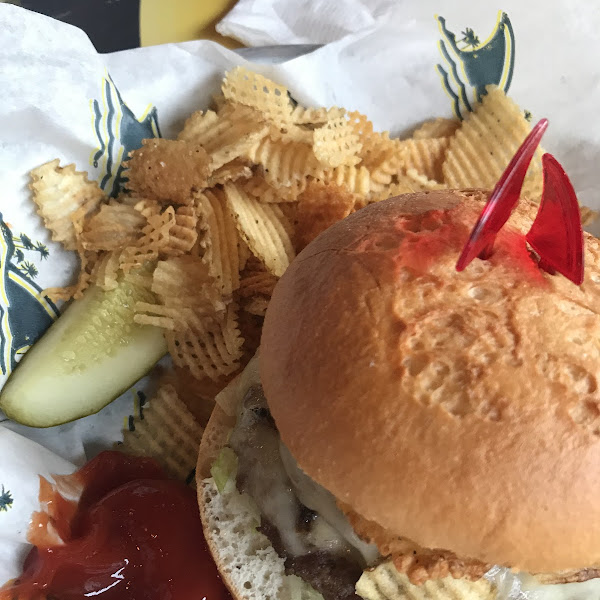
199	126
197	394
291	133
166	430
257	283
533	187
155	238
316	116
388	165
426	156
239	137
256	305
255	90
385	582
336	144
404	186
420	182
243	253
218	101
355	179
114	226
486	141
185	281
319	207
231	171
158	315
183	232
436	128
260	188
290	210
168	171
403	183
147	208
106	270
208	347
588	216
87	262
141	278
228	135
285	163
377	147
219	240
262	227
60	193
251	329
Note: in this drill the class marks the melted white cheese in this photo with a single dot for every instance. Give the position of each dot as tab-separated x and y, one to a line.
317	498
521	586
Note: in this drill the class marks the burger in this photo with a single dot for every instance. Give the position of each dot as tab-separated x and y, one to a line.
408	430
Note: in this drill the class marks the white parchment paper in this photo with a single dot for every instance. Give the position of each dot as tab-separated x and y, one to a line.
60	99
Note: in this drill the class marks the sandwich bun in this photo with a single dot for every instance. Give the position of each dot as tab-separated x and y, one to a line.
458	410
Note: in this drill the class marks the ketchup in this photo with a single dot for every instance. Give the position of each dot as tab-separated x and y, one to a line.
133	534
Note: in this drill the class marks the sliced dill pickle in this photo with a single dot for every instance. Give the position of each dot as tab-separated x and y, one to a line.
87	358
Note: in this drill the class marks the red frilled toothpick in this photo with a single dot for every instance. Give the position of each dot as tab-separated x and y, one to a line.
556	234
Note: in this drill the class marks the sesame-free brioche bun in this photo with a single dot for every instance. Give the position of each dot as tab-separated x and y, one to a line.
458	410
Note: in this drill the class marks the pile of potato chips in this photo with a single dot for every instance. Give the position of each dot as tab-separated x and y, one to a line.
208	222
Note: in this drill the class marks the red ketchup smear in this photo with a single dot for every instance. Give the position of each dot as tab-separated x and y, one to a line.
134	534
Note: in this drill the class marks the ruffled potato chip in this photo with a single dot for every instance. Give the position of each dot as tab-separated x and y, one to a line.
235	129
384	582
256	280
263	227
185	281
168	171
106	270
200	127
336	144
588	216
436	128
198	394
285	163
261	189
404	183
316	116
63	195
231	171
484	144
87	263
220	241
256	305
166	430
356	180
319	207
115	226
425	156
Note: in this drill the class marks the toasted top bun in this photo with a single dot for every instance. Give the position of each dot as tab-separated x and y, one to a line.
460	410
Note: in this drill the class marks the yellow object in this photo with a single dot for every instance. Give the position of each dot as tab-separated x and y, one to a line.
163	21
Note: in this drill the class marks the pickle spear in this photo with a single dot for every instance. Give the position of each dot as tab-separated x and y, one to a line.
87	358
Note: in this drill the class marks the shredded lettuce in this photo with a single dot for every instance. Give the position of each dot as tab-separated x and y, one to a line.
224	469
298	589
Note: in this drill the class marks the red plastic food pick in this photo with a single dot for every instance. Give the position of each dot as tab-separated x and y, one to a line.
502	201
556	234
